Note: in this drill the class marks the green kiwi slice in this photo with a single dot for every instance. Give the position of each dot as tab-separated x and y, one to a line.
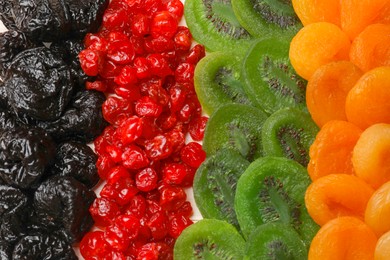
218	81
272	189
235	126
209	239
289	133
275	241
213	24
215	185
270	79
264	17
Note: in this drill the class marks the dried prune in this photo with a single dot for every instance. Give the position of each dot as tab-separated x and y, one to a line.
61	204
41	20
82	120
11	227
6	15
5	250
7	120
38	84
78	161
12	201
24	155
86	16
11	43
69	50
47	247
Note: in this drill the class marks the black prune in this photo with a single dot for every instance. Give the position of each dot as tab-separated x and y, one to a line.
11	228
82	120
86	16
24	155
78	161
38	84
6	15
12	201
41	20
11	43
7	120
62	203
5	250
69	50
43	247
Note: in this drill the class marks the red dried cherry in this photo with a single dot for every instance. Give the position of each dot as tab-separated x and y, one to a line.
134	158
91	61
127	76
174	173
157	224
103	211
172	197
177	223
193	154
130	129
146	180
160	147
146	106
196	127
140	25
94	246
163	24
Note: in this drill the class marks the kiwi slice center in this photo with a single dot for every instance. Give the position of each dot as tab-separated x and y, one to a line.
245	142
282	79
278	251
231	85
276	204
221	14
210	251
291	139
279	12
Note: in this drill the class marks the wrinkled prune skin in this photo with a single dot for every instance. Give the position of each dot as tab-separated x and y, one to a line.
62	203
41	20
38	84
76	160
86	15
82	120
24	155
6	15
69	50
7	120
43	247
11	43
11	228
5	250
12	201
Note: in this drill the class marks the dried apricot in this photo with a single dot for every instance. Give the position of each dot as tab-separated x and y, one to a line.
337	195
371	48
327	90
313	11
371	155
344	238
318	44
377	213
382	249
367	102
356	15
331	151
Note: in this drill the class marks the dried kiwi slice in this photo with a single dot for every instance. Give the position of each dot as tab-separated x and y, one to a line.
215	185
209	239
289	133
218	81
235	126
264	17
270	79
275	241
213	24
272	189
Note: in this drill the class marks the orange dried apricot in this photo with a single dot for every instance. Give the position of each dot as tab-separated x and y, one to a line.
371	155
344	238
331	151
371	48
313	11
318	44
382	249
377	213
367	102
337	195
327	90
356	15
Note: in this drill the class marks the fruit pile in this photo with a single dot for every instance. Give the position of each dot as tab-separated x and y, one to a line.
347	96
144	62
250	189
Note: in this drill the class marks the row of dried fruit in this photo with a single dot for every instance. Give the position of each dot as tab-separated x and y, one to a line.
47	171
347	95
